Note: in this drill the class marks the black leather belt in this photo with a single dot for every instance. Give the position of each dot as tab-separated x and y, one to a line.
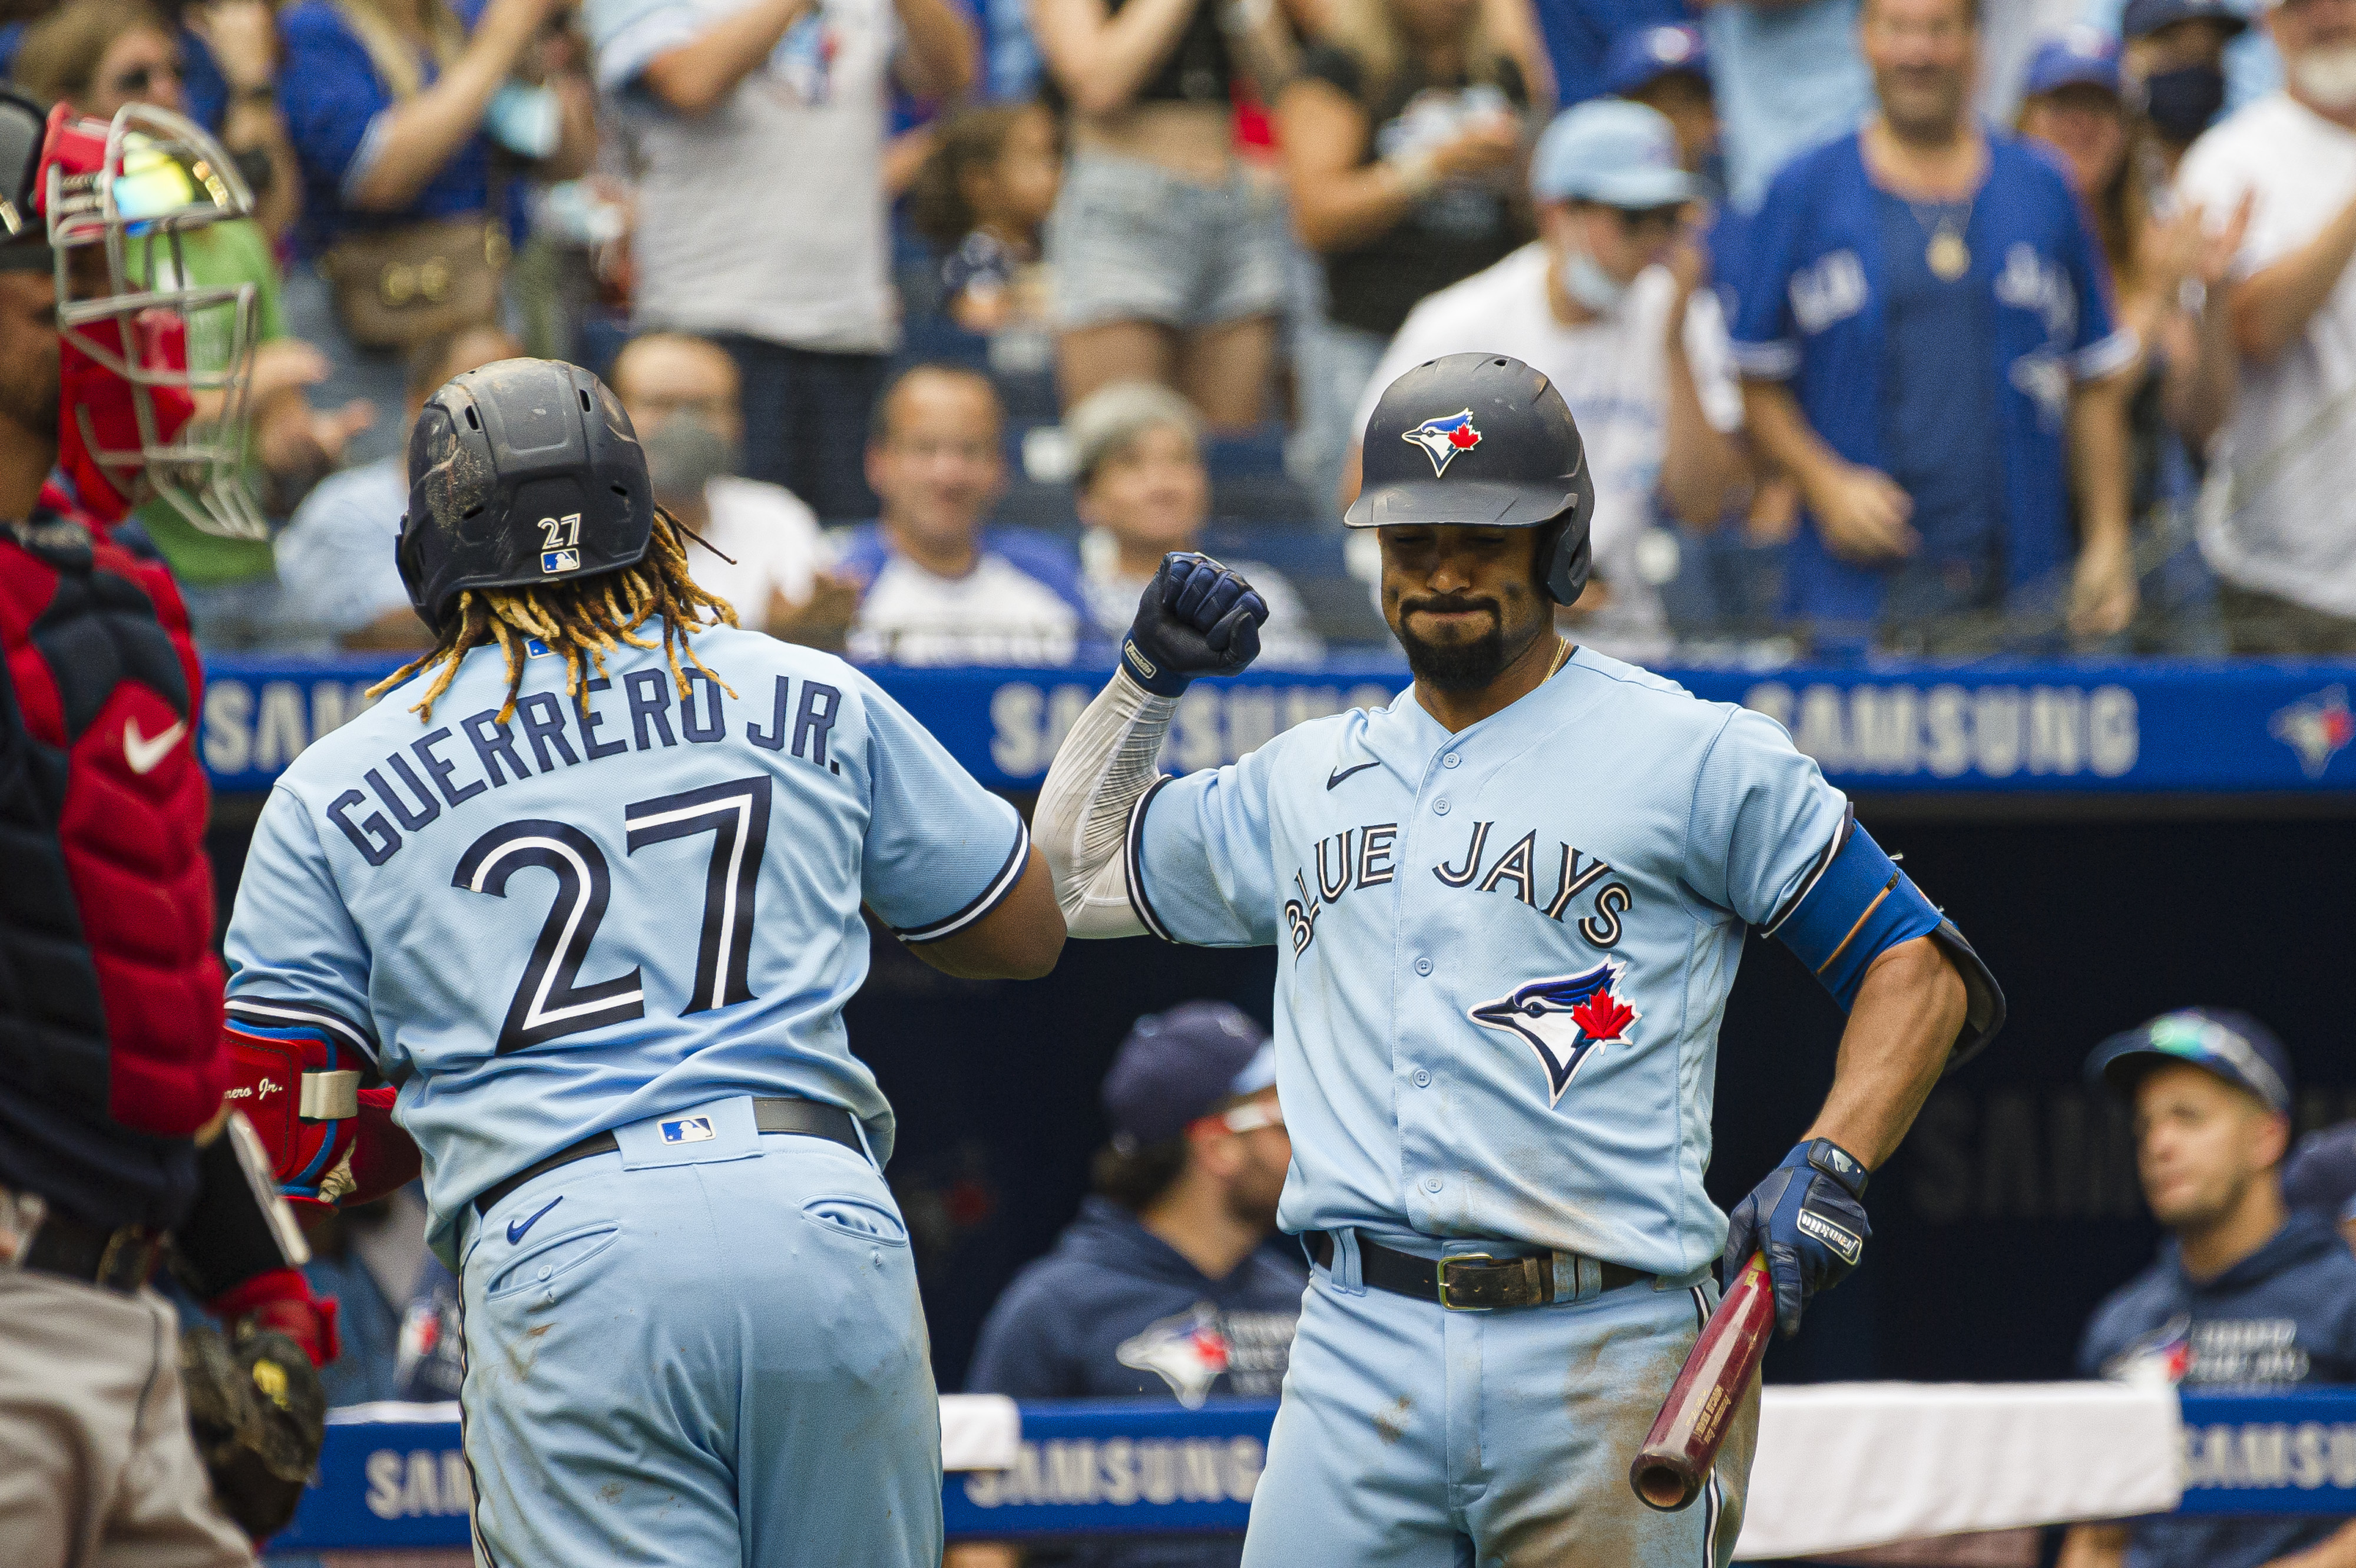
770	1114
1477	1282
117	1260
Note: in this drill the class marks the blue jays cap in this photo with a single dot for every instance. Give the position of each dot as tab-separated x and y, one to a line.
1642	55
2321	1172
2143	17
2234	1045
1609	151
1175	1066
2080	57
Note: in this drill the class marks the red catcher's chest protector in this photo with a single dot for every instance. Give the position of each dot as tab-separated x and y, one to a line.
106	935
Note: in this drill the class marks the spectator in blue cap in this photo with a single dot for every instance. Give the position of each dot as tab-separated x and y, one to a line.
1666	69
2246	1293
2169	285
2320	1177
2176	61
1607	306
1160	1289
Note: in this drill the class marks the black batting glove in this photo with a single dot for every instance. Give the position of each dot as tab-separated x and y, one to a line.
1196	617
1808	1216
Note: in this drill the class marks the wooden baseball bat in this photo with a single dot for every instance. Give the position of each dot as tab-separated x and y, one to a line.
1675	1462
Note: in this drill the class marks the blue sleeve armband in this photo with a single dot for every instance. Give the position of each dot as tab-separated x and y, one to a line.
1855	905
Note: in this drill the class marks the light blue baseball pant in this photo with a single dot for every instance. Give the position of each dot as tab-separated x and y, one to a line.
700	1354
1415	1437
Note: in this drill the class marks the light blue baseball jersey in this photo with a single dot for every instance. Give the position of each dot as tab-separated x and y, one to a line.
1503	955
601	911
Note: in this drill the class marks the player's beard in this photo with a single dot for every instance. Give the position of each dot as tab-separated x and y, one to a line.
1457	667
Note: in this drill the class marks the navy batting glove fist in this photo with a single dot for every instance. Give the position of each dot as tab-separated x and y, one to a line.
1808	1216
1196	618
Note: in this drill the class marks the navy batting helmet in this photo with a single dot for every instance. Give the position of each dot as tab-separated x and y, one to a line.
1480	441
525	471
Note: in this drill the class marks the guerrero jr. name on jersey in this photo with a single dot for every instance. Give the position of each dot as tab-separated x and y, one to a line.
1364	857
413	785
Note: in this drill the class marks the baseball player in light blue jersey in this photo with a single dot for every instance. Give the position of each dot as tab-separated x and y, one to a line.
1507	910
587	887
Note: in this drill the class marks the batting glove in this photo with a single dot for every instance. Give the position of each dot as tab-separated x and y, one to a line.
1196	617
1808	1216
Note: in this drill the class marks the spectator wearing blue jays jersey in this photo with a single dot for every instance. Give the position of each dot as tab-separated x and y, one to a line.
1925	337
1160	1289
2248	1293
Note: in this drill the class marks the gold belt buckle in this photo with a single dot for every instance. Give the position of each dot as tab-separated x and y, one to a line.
1440	1274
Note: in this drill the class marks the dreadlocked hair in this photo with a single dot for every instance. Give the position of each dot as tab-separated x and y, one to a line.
581	621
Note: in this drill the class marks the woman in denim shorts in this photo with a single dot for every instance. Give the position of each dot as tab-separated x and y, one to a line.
1168	256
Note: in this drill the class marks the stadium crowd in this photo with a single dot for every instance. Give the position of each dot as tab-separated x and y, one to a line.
1945	327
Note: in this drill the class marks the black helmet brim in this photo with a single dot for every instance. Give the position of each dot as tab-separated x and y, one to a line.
1466	503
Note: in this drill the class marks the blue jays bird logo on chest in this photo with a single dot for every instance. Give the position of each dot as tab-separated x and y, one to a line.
1444	438
1565	1020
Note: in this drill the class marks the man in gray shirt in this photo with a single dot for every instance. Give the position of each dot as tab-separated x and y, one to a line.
755	133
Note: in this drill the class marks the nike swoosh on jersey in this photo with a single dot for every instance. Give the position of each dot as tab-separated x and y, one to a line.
516	1227
143	753
1341	773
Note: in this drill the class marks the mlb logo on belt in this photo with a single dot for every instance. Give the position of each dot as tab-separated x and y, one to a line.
555	561
688	1130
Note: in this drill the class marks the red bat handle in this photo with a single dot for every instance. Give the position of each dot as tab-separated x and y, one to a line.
1675	1462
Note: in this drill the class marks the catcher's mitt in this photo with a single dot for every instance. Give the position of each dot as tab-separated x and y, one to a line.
260	1414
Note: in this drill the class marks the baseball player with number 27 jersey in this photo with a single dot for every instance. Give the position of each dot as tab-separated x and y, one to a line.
1507	910
595	906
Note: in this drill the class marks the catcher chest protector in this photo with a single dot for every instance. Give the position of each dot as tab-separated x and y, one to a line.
1480	441
526	471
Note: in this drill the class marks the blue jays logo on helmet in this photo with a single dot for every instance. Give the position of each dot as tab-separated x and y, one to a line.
1442	439
1565	1019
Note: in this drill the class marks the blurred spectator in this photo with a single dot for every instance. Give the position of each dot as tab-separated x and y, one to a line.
681	394
2176	58
336	557
1927	347
1137	452
394	107
2275	516
1580	34
2183	377
1635	346
1788	78
2320	1177
99	55
1168	255
429	1362
981	198
1403	138
1160	1289
756	138
1666	69
938	588
2245	1295
367	1257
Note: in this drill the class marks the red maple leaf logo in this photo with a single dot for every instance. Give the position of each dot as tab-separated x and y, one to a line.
1464	437
2339	727
1602	1015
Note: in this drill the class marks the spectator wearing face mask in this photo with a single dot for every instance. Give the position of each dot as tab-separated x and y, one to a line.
335	558
2275	520
2175	59
1608	304
1137	452
2168	277
681	393
938	586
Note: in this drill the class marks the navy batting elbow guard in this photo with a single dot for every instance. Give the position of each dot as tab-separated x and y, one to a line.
1856	905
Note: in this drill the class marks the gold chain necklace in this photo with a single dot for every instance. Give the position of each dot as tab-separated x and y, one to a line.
1563	648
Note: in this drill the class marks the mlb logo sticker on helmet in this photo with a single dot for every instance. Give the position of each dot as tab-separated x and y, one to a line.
1441	439
555	561
688	1130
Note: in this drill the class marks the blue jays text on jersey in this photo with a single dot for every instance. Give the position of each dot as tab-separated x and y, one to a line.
610	906
1504	953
